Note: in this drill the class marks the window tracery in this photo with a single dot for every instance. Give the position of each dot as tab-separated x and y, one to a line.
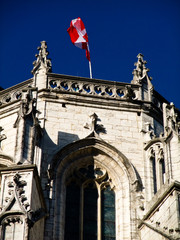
157	167
90	205
12	227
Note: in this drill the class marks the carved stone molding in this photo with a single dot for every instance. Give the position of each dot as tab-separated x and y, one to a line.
16	192
2	136
28	103
12	219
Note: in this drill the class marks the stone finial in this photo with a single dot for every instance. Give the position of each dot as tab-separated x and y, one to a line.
42	60
141	71
93	126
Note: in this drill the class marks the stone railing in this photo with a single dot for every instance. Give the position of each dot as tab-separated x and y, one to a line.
94	87
10	97
83	86
101	88
14	93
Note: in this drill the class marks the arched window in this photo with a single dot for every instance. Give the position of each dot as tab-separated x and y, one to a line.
160	156
153	170
157	167
90	205
108	214
12	228
162	171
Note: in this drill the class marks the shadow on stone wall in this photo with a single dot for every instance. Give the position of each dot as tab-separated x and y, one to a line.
65	138
50	148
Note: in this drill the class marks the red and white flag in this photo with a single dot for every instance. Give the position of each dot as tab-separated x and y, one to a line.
78	35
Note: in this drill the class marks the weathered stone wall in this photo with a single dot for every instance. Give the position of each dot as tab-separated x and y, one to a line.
163	221
7	120
175	155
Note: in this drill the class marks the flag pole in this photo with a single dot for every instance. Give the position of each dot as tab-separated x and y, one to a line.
90	69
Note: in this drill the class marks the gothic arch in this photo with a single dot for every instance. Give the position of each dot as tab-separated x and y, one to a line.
78	147
157	165
121	173
5	160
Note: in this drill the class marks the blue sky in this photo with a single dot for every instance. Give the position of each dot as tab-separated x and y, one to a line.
118	31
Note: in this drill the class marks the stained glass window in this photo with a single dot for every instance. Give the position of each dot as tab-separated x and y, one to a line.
72	226
90	212
90	206
162	171
108	214
153	162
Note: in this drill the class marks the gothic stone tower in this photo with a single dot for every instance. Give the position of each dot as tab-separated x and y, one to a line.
87	159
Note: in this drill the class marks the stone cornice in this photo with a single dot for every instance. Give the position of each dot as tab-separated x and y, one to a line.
158	231
17	86
173	186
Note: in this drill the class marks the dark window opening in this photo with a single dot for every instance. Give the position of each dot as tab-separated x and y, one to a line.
72	212
90	206
108	214
153	161
90	212
162	171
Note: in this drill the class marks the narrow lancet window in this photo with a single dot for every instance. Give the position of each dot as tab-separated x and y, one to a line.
157	167
72	213
162	171
154	179
90	212
108	214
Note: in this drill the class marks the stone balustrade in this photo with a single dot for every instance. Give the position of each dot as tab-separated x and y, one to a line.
10	97
14	93
94	87
82	86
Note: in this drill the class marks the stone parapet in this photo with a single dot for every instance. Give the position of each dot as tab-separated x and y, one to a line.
100	88
14	93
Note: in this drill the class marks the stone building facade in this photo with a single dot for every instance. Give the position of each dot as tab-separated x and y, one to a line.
87	159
